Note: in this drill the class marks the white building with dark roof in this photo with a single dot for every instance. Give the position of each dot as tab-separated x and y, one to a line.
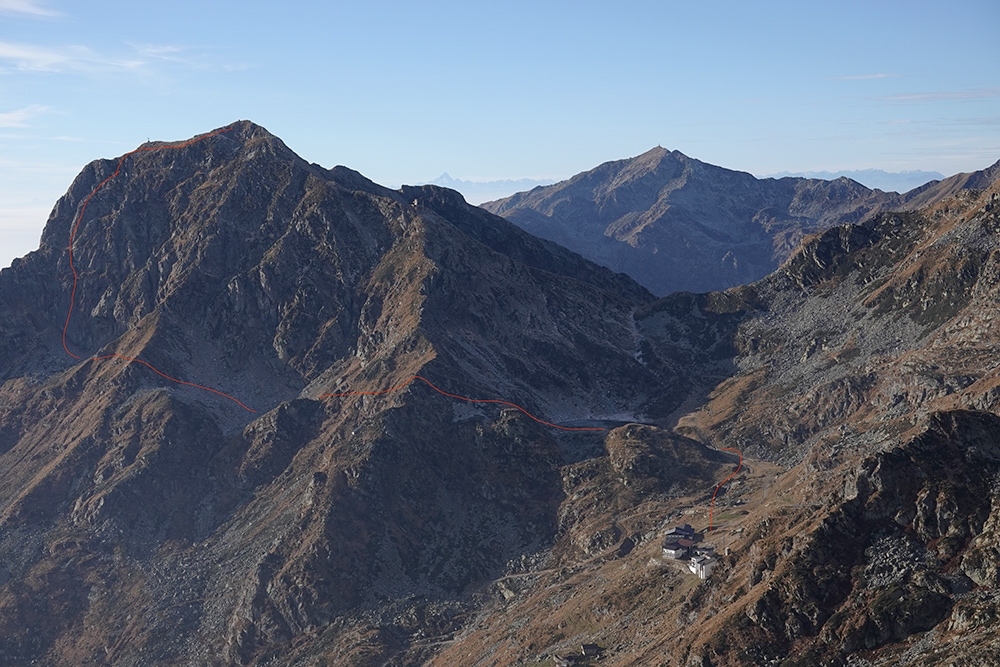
679	542
674	550
702	565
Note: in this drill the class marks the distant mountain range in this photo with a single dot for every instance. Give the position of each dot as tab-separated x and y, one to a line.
865	369
232	263
476	192
674	223
888	181
359	518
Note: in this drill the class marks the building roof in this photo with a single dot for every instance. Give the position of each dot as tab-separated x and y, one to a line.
686	529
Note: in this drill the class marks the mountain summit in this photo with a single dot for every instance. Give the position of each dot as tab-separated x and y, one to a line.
143	510
675	223
258	412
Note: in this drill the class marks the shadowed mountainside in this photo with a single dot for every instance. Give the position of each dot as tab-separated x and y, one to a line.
674	223
144	521
863	528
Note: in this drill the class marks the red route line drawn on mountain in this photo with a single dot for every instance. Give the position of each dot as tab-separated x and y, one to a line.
133	360
463	398
711	507
72	297
72	302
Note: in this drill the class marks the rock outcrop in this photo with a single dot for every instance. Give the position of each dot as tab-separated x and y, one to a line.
859	381
317	490
140	516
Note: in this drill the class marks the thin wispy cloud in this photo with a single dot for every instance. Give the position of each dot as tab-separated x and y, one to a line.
195	57
168	52
861	77
26	7
143	59
20	117
32	58
982	120
938	96
172	55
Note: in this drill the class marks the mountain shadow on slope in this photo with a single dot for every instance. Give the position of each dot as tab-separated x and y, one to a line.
139	516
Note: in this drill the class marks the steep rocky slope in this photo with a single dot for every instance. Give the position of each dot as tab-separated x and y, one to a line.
674	223
352	515
873	367
865	530
145	521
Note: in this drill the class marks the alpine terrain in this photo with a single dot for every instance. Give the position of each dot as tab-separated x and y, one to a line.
674	223
236	428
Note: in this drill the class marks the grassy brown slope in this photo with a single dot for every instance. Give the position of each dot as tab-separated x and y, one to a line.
875	533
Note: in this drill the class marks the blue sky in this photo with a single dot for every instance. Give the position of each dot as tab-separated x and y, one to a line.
405	91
